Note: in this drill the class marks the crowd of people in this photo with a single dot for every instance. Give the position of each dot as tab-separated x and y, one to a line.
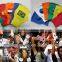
30	46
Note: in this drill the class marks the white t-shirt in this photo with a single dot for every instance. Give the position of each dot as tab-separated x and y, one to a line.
49	56
26	40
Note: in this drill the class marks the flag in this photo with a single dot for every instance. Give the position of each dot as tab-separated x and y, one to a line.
20	16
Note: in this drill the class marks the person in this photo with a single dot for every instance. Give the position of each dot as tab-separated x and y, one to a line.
24	55
60	53
13	54
48	50
3	41
17	39
24	37
58	56
60	50
36	53
11	37
33	49
41	38
10	40
1	55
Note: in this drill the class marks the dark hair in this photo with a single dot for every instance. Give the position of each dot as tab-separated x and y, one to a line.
59	51
59	48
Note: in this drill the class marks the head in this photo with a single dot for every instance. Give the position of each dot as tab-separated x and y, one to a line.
17	38
11	39
23	32
50	38
60	52
13	51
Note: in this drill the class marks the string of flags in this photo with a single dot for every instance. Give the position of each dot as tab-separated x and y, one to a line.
16	14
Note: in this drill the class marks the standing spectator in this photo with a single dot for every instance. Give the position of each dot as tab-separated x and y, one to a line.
37	54
48	49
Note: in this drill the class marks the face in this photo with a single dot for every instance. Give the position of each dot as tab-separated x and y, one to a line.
46	34
22	32
10	39
17	38
60	53
13	51
50	38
